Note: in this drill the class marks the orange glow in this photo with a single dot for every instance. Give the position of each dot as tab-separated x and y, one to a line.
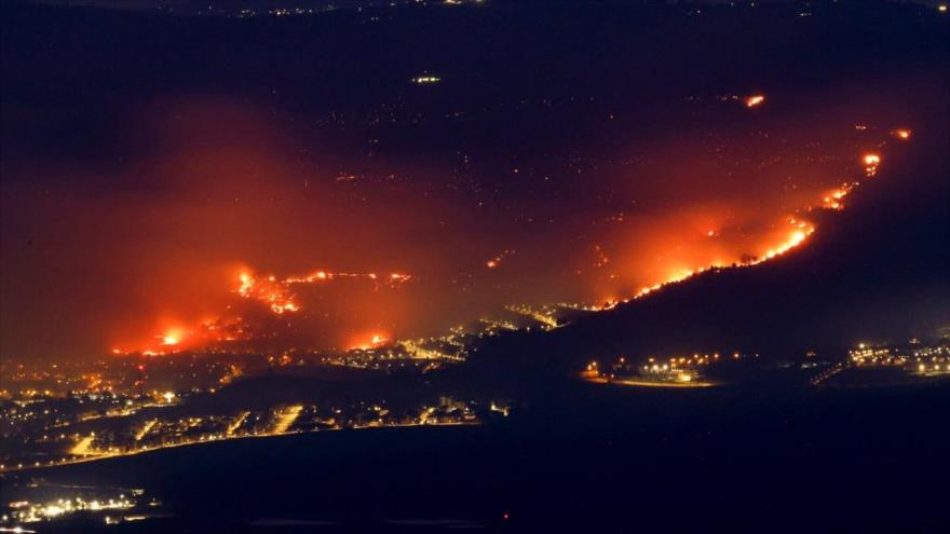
320	276
246	284
177	338
871	163
793	239
274	294
171	338
369	341
268	291
833	199
902	134
344	277
754	101
496	261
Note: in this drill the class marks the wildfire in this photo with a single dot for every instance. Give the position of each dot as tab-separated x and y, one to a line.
269	291
370	341
171	338
754	101
796	236
801	230
871	163
277	294
496	261
323	276
833	199
285	295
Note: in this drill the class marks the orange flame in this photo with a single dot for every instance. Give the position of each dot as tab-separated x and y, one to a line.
754	101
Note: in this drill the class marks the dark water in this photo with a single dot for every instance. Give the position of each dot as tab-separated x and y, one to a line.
598	459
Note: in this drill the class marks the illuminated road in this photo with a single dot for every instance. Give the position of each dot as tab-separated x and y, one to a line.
84	447
827	374
148	426
651	383
287	419
91	456
232	428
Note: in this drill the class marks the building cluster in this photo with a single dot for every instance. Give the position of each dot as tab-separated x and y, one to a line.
60	432
914	357
40	503
682	369
125	376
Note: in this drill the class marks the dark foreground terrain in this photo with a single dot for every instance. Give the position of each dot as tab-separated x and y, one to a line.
598	459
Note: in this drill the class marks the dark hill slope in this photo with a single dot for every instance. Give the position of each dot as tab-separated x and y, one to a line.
878	270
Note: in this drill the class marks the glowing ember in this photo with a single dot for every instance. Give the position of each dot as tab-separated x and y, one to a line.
369	341
320	276
277	295
268	291
754	101
496	261
833	199
902	134
871	163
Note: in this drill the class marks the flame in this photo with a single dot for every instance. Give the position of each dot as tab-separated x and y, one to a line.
706	247
277	295
171	338
269	291
176	338
799	234
496	261
369	341
833	199
871	162
754	101
273	292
